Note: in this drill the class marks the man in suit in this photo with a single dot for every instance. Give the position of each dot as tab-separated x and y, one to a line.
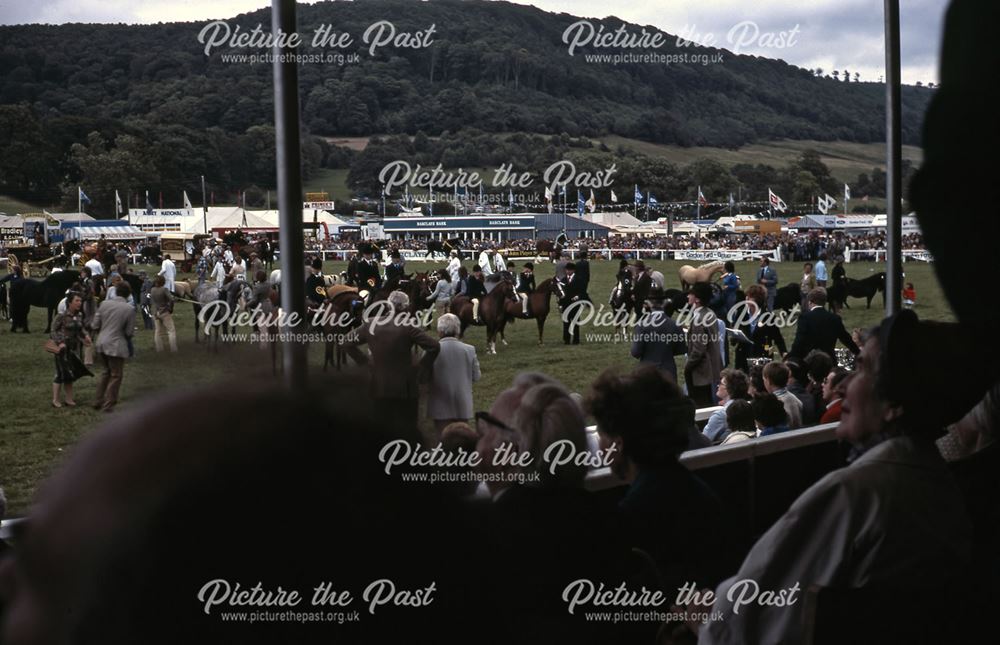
396	268
573	292
315	285
583	269
115	320
395	377
768	277
455	370
703	368
820	329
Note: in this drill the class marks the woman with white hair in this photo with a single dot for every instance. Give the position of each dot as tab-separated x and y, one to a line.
455	370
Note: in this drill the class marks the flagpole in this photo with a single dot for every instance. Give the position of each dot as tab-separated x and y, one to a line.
204	206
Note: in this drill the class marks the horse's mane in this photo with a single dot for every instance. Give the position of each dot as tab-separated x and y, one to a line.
711	265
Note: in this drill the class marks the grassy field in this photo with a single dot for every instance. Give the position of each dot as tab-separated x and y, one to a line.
34	437
329	180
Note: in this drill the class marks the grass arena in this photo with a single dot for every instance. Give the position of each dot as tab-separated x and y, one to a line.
34	436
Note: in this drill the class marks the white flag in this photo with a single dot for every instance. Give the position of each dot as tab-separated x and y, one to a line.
825	203
776	201
548	197
187	202
847	192
614	197
118	204
591	203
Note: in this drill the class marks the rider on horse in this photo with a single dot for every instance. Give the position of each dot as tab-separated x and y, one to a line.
525	286
475	289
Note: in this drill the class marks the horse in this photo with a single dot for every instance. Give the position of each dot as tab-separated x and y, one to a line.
444	247
673	301
185	288
205	294
539	305
340	300
44	293
553	249
492	312
689	275
788	296
866	288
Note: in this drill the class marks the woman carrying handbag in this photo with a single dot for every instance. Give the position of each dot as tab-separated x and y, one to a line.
67	336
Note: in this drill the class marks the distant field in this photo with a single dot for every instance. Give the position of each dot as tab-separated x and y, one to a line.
330	180
12	206
34	437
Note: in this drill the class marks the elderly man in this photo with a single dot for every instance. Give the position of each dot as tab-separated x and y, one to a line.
894	518
395	376
455	370
115	320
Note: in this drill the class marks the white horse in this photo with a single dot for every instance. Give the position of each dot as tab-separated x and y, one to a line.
689	275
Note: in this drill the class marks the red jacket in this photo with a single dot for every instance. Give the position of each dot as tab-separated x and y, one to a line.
832	414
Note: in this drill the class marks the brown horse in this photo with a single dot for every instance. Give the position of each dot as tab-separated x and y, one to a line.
553	249
340	313
492	311
538	307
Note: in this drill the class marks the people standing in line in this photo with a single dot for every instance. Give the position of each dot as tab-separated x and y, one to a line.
168	270
69	334
115	322
768	278
162	305
454	371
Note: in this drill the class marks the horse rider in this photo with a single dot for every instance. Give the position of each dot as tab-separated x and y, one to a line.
622	280
369	276
396	268
475	288
453	266
315	284
572	292
525	286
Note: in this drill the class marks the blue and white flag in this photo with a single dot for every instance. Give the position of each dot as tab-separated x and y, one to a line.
562	190
511	198
638	195
580	203
83	196
652	200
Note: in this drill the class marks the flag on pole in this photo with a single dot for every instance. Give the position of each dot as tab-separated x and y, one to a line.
562	190
614	197
701	198
732	202
548	197
187	202
83	196
149	204
638	195
118	203
580	204
591	203
776	202
652	200
847	192
825	203
510	198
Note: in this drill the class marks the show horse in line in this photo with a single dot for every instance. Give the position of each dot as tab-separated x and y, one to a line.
539	305
47	293
492	311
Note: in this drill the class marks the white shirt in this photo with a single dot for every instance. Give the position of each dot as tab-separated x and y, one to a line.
453	268
169	272
239	271
219	273
484	262
498	263
95	266
228	256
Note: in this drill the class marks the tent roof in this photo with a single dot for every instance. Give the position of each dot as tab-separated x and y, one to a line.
109	232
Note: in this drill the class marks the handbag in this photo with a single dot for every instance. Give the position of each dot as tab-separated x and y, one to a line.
51	346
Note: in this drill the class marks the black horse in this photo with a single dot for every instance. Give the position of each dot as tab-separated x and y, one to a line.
444	247
788	296
44	293
865	288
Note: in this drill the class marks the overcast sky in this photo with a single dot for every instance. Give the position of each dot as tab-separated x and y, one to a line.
832	34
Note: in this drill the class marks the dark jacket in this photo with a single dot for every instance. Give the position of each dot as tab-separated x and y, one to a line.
583	274
821	329
573	290
525	282
394	374
314	282
474	287
657	340
761	336
368	275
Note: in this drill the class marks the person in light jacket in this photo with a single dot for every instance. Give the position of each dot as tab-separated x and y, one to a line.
455	370
443	292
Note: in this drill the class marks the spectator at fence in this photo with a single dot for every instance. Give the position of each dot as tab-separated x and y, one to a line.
733	386
769	415
741	423
667	510
895	517
776	377
833	394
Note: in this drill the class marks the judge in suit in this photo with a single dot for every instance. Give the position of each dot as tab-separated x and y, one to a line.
115	320
820	329
583	269
573	292
762	337
455	370
703	368
395	376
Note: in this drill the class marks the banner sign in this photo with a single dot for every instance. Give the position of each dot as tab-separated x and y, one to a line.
374	232
918	255
709	255
499	222
163	212
11	233
322	206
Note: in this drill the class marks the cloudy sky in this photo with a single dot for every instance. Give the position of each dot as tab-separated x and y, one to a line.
831	34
